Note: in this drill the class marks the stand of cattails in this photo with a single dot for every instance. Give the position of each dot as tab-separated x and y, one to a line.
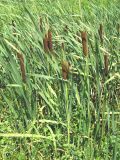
65	69
106	64
101	33
22	66
47	42
84	43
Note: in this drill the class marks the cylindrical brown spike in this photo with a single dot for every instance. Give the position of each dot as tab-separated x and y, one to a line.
64	75
50	46
84	43
22	66
100	31
106	64
45	43
65	69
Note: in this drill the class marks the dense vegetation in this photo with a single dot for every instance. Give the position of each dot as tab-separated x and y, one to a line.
44	113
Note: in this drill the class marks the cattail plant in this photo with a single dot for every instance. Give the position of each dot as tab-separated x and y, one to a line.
106	64
84	43
50	45
45	43
22	66
65	69
101	33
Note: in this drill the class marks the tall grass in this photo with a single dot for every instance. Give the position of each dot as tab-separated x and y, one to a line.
60	80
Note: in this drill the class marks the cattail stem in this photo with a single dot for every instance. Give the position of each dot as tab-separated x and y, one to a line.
100	31
22	66
106	64
84	43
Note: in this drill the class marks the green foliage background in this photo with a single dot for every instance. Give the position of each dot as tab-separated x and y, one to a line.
48	117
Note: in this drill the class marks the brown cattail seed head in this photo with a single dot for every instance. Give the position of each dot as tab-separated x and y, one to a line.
84	43
65	69
106	64
22	66
101	33
45	43
50	46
